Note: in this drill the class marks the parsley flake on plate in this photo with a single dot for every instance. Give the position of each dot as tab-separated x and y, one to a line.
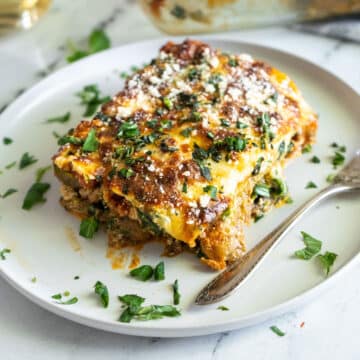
7	140
8	192
142	273
327	261
35	195
10	165
310	185
3	252
211	190
312	247
91	144
176	293
88	227
315	160
159	271
223	308
62	119
338	159
27	160
277	331
90	96
103	292
41	172
306	149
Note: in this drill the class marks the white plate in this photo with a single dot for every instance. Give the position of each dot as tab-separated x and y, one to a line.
40	246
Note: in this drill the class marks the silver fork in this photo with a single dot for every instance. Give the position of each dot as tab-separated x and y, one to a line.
237	272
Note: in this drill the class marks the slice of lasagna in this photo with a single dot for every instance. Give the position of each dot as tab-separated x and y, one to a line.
188	152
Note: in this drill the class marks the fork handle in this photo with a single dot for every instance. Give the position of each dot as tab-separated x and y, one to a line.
237	272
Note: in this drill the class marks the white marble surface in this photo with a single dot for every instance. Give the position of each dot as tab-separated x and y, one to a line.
331	324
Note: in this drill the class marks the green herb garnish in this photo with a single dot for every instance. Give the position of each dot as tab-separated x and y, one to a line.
159	271
232	62
212	190
330	178
128	130
312	247
277	331
41	172
90	96
186	132
168	103
8	192
57	296
241	125
306	149
126	173
184	187
338	159
71	301
59	119
315	160
176	294
66	139
91	144
7	141
262	190
223	308
3	252
225	123
310	185
102	291
179	12
88	227
27	160
257	166
35	195
11	165
281	149
327	261
143	273
97	41
205	171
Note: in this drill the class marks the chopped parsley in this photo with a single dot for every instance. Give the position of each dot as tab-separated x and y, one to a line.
168	103
261	190
35	195
327	261
91	144
315	160
88	227
277	331
223	308
241	125
7	141
257	167
68	139
34	279
186	132
134	310
232	62
225	123
90	96
102	290
184	187
330	178
338	159
310	185
128	130
11	165
159	271
281	148
142	273
8	192
27	160
212	190
41	172
312	247
57	296
176	294
3	253
205	171
306	149
179	12
258	217
97	41
71	301
77	277
126	173
210	135
59	119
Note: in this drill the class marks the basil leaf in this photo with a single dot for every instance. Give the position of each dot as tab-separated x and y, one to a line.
159	271
102	291
41	172
59	119
35	195
8	192
142	273
312	247
89	227
176	294
98	41
91	143
26	160
277	331
327	261
7	141
3	252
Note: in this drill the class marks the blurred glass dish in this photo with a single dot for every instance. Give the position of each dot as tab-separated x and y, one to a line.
189	16
21	13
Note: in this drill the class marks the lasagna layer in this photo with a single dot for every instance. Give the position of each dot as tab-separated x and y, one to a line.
188	152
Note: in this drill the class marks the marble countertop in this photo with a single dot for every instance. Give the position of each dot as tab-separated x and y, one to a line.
330	325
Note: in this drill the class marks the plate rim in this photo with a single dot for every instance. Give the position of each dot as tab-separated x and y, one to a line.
137	329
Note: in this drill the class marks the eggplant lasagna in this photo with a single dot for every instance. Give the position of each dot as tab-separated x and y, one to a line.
191	150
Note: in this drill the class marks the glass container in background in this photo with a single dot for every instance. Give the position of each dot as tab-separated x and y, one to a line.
199	16
23	14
